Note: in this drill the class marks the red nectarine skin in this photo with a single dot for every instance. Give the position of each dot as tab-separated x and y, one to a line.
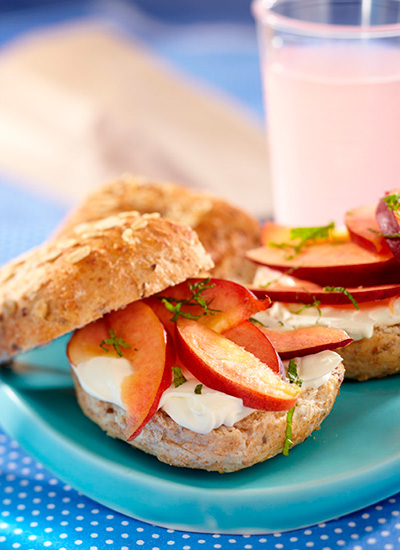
389	225
222	365
149	356
327	264
307	292
306	341
364	229
249	336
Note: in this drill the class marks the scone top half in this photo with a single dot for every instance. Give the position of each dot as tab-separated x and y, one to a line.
99	267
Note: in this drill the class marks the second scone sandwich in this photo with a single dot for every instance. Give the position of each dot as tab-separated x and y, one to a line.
163	356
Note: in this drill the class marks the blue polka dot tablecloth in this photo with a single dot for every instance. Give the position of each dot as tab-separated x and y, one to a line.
38	510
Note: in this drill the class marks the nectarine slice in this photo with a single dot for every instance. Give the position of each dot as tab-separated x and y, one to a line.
148	353
222	365
249	336
364	229
307	292
306	341
227	303
340	264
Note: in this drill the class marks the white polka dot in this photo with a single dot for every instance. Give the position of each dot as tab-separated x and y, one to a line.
32	537
124	535
109	541
140	542
94	535
155	535
124	522
371	541
63	535
140	529
17	531
47	543
78	542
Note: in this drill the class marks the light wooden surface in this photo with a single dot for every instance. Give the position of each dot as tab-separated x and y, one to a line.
79	105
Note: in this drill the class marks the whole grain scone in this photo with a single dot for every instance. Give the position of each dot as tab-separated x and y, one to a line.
259	436
225	231
373	357
101	266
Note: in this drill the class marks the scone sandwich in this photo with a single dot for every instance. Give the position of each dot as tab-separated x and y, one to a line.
347	278
163	356
225	231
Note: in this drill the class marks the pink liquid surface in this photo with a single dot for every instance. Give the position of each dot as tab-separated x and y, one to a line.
334	130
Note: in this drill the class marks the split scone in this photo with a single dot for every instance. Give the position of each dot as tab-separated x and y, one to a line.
225	231
348	279
162	356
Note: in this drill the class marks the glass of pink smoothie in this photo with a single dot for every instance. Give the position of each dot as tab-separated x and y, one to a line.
331	72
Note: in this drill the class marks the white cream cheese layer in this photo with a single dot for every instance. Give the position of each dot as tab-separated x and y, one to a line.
358	323
314	370
101	377
203	412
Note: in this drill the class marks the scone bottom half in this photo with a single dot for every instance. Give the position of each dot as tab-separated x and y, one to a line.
200	331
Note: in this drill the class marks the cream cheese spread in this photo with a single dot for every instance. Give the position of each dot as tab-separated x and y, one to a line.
358	323
101	377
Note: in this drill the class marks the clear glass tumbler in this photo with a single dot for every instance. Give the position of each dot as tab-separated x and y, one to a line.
331	73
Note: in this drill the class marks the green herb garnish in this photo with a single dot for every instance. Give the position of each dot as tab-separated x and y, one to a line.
198	388
306	235
344	291
115	342
292	374
179	379
256	322
288	434
384	235
315	303
175	306
392	201
293	379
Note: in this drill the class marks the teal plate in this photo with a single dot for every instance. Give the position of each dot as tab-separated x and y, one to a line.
353	461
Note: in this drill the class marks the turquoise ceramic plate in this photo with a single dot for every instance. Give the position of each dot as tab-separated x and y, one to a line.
352	462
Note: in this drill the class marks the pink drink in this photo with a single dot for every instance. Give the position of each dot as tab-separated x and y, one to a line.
334	129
